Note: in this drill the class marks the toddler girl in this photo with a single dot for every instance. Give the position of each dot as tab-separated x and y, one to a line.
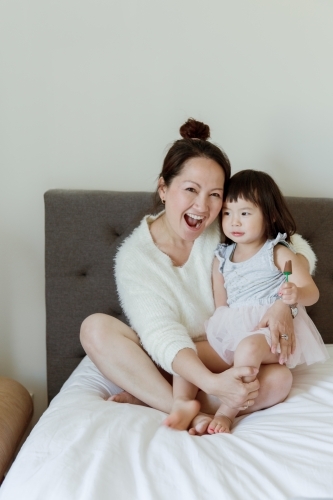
248	278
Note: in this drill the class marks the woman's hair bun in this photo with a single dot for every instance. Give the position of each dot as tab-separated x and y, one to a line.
193	129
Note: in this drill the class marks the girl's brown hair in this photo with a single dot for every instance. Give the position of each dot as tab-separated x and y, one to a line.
260	189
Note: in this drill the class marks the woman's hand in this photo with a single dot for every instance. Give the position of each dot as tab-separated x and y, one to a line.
289	293
231	390
228	386
279	320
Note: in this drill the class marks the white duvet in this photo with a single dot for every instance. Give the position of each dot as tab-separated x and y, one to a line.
84	448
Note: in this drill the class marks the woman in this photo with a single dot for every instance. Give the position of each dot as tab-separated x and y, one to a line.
163	275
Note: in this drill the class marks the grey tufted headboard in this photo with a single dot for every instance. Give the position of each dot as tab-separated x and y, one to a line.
82	232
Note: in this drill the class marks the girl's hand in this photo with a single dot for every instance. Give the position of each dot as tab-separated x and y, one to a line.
289	293
307	291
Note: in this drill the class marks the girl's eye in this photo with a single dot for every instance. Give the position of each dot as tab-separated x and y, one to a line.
245	213
225	213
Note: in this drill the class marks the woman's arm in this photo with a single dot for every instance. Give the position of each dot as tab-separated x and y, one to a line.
152	311
163	336
279	320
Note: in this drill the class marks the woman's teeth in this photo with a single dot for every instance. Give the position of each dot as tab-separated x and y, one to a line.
194	220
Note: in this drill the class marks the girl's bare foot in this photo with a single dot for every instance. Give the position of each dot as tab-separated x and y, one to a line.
220	423
182	413
126	397
199	424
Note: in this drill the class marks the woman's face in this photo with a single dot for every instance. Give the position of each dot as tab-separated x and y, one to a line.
193	199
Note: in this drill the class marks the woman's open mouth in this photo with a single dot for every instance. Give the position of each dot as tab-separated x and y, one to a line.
193	220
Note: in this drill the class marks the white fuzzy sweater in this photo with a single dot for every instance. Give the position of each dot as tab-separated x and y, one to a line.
167	305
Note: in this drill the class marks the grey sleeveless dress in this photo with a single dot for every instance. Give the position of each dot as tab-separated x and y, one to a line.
252	287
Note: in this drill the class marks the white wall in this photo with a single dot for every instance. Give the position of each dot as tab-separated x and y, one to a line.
92	92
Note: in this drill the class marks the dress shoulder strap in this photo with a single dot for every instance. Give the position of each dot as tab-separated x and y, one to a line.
223	252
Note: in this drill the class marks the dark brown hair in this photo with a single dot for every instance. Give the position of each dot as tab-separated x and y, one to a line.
260	189
193	145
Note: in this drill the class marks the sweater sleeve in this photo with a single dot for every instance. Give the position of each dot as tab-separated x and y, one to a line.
151	309
300	245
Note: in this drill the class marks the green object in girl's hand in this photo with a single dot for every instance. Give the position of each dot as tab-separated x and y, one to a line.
287	269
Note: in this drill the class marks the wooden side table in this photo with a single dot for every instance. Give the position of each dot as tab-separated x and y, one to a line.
16	409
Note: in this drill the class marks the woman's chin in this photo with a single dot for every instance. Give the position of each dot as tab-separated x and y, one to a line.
192	233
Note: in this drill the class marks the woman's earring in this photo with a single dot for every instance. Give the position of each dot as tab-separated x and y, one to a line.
163	201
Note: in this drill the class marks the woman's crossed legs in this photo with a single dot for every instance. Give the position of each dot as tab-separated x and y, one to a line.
115	349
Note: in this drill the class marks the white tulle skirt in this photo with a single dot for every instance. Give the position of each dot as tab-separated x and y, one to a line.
229	325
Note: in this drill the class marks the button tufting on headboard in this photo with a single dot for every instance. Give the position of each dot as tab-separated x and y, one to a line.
83	230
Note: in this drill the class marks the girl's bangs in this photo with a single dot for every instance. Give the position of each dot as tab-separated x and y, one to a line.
246	192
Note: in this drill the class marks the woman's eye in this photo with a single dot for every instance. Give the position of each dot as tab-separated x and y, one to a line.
192	190
217	195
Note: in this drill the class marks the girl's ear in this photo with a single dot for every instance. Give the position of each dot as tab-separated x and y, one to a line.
161	189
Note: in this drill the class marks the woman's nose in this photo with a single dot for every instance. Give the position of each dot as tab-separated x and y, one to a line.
202	202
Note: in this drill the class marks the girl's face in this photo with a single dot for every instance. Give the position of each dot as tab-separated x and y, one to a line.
243	222
193	199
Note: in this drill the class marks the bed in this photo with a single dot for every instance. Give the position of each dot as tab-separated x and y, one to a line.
85	448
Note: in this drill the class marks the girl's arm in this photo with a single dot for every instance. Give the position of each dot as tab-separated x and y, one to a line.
300	288
220	293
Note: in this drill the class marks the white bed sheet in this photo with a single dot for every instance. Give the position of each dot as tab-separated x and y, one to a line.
86	448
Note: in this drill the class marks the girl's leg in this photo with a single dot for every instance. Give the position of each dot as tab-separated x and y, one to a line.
275	384
254	351
185	407
115	349
275	380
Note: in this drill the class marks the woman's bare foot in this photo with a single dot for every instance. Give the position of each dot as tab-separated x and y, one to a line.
200	424
126	397
182	413
220	423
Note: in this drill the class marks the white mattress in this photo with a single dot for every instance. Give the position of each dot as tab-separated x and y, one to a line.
84	448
